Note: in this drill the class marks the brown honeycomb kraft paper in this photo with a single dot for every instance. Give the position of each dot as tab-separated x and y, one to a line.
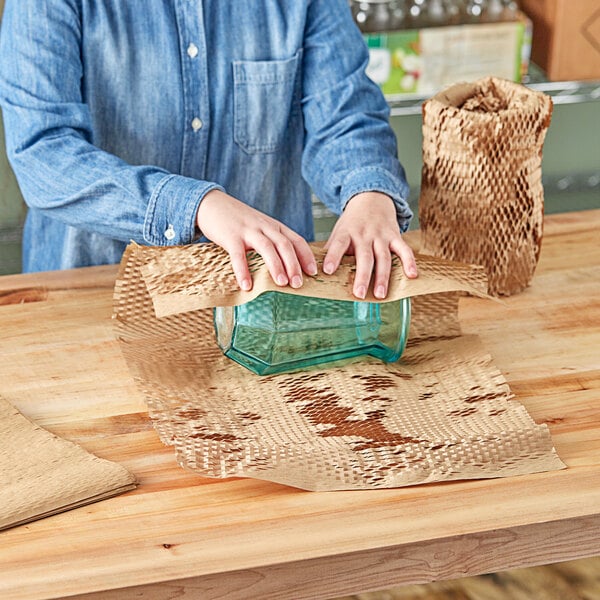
42	474
200	276
482	199
442	412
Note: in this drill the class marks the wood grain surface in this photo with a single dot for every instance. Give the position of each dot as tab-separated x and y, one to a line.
571	580
183	536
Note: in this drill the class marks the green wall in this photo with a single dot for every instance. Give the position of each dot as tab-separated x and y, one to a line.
12	213
12	209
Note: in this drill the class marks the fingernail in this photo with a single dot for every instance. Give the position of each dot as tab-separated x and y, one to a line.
246	285
312	269
361	291
328	268
281	280
296	281
412	271
380	291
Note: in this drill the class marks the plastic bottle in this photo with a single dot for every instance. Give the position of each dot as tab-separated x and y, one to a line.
492	10
472	11
452	8
435	12
511	10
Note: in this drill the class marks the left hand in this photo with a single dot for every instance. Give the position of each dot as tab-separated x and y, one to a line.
368	228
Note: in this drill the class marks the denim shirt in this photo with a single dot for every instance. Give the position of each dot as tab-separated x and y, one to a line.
121	115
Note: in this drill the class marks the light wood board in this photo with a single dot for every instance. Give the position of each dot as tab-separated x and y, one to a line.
240	539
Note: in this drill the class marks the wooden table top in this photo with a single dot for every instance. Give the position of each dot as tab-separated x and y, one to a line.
241	538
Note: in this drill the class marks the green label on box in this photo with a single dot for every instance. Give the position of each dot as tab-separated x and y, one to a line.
394	61
427	60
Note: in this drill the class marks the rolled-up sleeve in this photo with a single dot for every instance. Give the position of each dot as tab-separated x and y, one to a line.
169	221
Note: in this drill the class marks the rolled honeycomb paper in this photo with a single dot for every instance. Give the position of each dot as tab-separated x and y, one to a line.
482	200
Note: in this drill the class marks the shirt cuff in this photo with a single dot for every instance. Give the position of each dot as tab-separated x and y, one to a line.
376	179
171	213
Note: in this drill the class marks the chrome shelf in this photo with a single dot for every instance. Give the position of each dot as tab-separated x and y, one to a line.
561	92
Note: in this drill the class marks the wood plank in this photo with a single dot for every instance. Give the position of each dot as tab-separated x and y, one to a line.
579	579
72	279
419	563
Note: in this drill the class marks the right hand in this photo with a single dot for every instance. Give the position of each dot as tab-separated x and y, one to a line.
237	228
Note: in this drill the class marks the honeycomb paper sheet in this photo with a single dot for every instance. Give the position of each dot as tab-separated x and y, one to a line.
442	412
42	474
200	276
482	199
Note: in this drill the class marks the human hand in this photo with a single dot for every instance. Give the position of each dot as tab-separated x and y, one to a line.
237	227
368	228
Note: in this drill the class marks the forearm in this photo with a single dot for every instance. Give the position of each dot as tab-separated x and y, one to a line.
350	146
357	154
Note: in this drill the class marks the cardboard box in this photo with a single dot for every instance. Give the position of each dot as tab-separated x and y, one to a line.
566	37
421	62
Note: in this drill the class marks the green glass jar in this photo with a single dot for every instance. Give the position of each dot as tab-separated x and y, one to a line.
278	333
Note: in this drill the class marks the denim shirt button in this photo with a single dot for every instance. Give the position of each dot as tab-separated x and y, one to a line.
192	50
197	124
169	232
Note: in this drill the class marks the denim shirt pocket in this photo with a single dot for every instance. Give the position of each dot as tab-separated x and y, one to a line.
266	97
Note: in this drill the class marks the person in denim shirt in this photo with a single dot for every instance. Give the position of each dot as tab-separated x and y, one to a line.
171	121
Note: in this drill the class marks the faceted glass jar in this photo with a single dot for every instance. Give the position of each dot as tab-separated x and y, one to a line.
277	332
